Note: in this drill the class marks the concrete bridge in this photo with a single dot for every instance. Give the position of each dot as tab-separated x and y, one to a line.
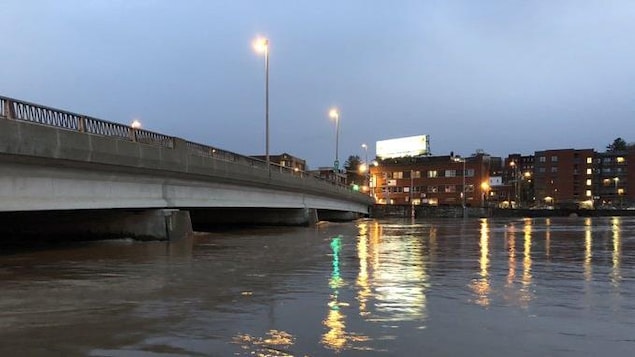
66	173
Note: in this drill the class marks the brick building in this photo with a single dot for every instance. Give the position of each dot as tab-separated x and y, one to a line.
563	177
431	180
614	183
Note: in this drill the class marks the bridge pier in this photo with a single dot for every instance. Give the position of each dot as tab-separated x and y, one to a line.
337	216
203	219
53	226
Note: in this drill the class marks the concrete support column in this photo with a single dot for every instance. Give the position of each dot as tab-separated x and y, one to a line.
154	224
204	219
337	216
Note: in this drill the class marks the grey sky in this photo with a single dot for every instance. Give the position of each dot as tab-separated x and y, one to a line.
503	76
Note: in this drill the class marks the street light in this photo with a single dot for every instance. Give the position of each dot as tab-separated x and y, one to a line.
485	189
515	167
261	45
335	115
367	175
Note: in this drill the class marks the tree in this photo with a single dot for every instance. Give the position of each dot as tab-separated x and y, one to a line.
618	145
352	165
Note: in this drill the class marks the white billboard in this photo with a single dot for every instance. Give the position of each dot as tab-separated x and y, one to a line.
403	147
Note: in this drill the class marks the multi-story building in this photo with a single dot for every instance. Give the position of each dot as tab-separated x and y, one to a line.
518	175
614	183
431	180
563	177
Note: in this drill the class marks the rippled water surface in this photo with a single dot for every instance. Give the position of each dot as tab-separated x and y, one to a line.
523	287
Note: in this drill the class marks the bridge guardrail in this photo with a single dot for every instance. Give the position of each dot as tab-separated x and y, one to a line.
15	109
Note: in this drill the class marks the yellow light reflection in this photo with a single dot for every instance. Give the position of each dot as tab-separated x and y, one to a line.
548	237
275	343
481	286
364	292
511	252
526	294
616	276
588	252
336	337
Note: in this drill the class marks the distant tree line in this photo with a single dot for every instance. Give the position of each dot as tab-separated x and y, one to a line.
620	144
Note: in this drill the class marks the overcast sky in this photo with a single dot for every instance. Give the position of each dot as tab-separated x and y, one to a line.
503	76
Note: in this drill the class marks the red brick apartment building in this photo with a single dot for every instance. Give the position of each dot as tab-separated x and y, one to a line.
564	177
614	182
431	180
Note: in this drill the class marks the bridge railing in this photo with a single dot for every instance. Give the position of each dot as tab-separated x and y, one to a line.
15	109
20	110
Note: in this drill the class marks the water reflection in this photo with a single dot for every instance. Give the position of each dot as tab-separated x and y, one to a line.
616	276
588	249
481	286
511	254
526	294
336	337
398	274
274	344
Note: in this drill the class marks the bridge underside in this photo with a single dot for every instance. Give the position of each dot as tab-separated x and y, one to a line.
147	224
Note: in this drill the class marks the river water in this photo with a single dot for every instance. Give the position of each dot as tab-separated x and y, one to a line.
474	287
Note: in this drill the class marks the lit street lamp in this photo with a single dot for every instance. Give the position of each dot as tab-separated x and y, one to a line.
367	175
515	167
261	45
335	115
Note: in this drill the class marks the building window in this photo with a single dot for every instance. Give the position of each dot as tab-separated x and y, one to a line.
589	172
450	188
469	173
450	173
589	160
432	174
606	160
416	174
541	170
554	158
554	169
620	160
542	159
469	188
397	175
432	189
620	191
606	182
588	182
588	193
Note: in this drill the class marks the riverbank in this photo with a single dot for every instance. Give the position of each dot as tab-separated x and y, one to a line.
382	211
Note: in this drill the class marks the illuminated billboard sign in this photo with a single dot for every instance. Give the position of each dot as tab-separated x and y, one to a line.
403	147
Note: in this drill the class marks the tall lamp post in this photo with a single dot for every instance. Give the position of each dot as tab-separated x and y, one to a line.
335	115
367	174
515	168
261	45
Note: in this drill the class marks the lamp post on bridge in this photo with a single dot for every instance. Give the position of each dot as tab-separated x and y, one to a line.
367	174
335	115
261	45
